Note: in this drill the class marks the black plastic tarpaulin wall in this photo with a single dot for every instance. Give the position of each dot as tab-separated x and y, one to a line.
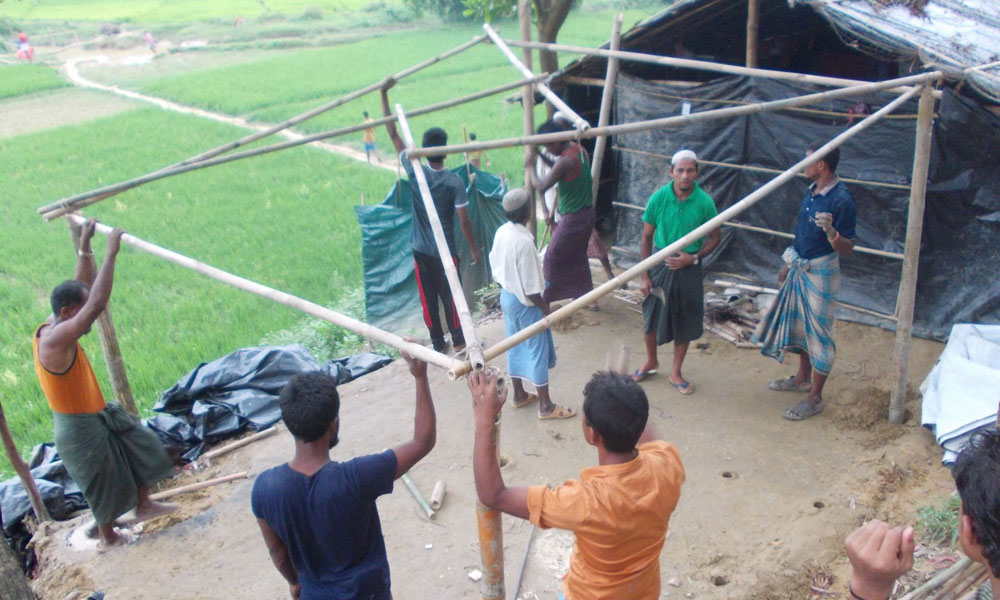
391	298
958	264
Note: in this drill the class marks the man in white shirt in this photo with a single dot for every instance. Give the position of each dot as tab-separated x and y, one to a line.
516	267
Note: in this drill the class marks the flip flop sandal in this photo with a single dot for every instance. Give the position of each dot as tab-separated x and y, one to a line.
559	412
686	389
788	384
531	398
643	375
802	411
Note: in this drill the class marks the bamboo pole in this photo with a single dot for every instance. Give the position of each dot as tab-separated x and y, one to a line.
767	290
753	28
217	452
22	470
528	113
194	487
108	336
914	230
579	122
310	308
472	343
71	203
697	117
895	186
418	496
490	525
698	233
606	97
939	579
700	65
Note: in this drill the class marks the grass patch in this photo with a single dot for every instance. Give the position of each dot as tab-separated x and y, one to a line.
17	80
939	524
285	220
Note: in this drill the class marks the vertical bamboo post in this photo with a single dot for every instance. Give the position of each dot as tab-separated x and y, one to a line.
911	258
491	540
21	468
473	345
528	110
112	352
753	28
609	91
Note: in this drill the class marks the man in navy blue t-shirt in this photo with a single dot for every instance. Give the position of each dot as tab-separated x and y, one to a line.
318	517
801	319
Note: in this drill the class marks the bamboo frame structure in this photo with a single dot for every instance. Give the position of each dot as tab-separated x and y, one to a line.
696	117
528	113
607	94
66	205
753	30
305	306
579	122
472	343
699	232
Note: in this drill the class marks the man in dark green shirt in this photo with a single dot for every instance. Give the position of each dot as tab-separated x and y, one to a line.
674	306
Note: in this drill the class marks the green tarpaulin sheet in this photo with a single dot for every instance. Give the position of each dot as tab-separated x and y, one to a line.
391	298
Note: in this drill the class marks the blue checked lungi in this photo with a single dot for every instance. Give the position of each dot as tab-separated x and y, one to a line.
532	358
801	317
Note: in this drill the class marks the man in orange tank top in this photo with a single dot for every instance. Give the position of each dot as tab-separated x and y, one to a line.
107	452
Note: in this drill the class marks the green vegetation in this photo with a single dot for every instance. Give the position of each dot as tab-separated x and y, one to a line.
939	525
17	80
285	220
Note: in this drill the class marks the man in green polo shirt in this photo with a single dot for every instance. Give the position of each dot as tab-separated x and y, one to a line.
674	307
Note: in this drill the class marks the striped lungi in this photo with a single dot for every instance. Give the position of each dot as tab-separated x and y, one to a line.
801	318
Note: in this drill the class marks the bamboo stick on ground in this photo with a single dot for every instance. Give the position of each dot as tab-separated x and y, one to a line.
418	496
959	581
311	308
217	452
71	203
579	122
679	120
938	580
472	343
697	233
22	470
194	487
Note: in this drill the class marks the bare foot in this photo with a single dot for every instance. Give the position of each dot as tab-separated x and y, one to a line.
153	509
113	540
91	529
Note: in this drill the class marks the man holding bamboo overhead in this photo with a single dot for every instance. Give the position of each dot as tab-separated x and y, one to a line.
107	451
448	194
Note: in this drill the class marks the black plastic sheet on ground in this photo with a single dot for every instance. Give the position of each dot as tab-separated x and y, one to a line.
959	252
239	392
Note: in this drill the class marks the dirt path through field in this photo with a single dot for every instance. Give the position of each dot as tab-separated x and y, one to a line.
73	73
763	513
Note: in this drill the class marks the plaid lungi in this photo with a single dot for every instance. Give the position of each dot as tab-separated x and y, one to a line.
801	318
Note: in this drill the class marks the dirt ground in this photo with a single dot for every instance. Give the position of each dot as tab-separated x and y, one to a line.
763	513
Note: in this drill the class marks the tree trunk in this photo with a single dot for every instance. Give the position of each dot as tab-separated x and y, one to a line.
551	15
13	583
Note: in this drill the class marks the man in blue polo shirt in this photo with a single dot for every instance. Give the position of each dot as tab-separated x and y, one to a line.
801	318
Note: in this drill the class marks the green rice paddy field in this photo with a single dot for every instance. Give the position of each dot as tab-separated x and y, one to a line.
285	219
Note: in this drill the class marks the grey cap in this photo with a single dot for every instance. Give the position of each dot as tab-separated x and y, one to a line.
515	199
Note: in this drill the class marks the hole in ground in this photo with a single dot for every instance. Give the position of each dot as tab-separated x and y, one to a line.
720	580
729	475
818	504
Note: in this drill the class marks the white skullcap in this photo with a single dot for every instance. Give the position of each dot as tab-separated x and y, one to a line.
683	155
515	199
561	116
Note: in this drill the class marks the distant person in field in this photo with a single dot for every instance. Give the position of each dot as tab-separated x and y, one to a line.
107	451
567	270
317	516
801	319
369	138
476	156
150	41
24	49
618	510
448	194
515	266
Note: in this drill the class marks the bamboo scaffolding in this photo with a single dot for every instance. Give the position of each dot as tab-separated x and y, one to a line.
22	470
781	234
753	29
700	65
697	117
579	122
895	186
699	232
914	230
606	97
528	113
472	343
310	308
71	203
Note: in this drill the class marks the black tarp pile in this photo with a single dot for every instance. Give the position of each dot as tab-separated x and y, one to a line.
959	253
215	401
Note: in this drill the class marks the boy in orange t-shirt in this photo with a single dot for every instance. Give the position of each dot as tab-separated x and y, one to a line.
618	510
